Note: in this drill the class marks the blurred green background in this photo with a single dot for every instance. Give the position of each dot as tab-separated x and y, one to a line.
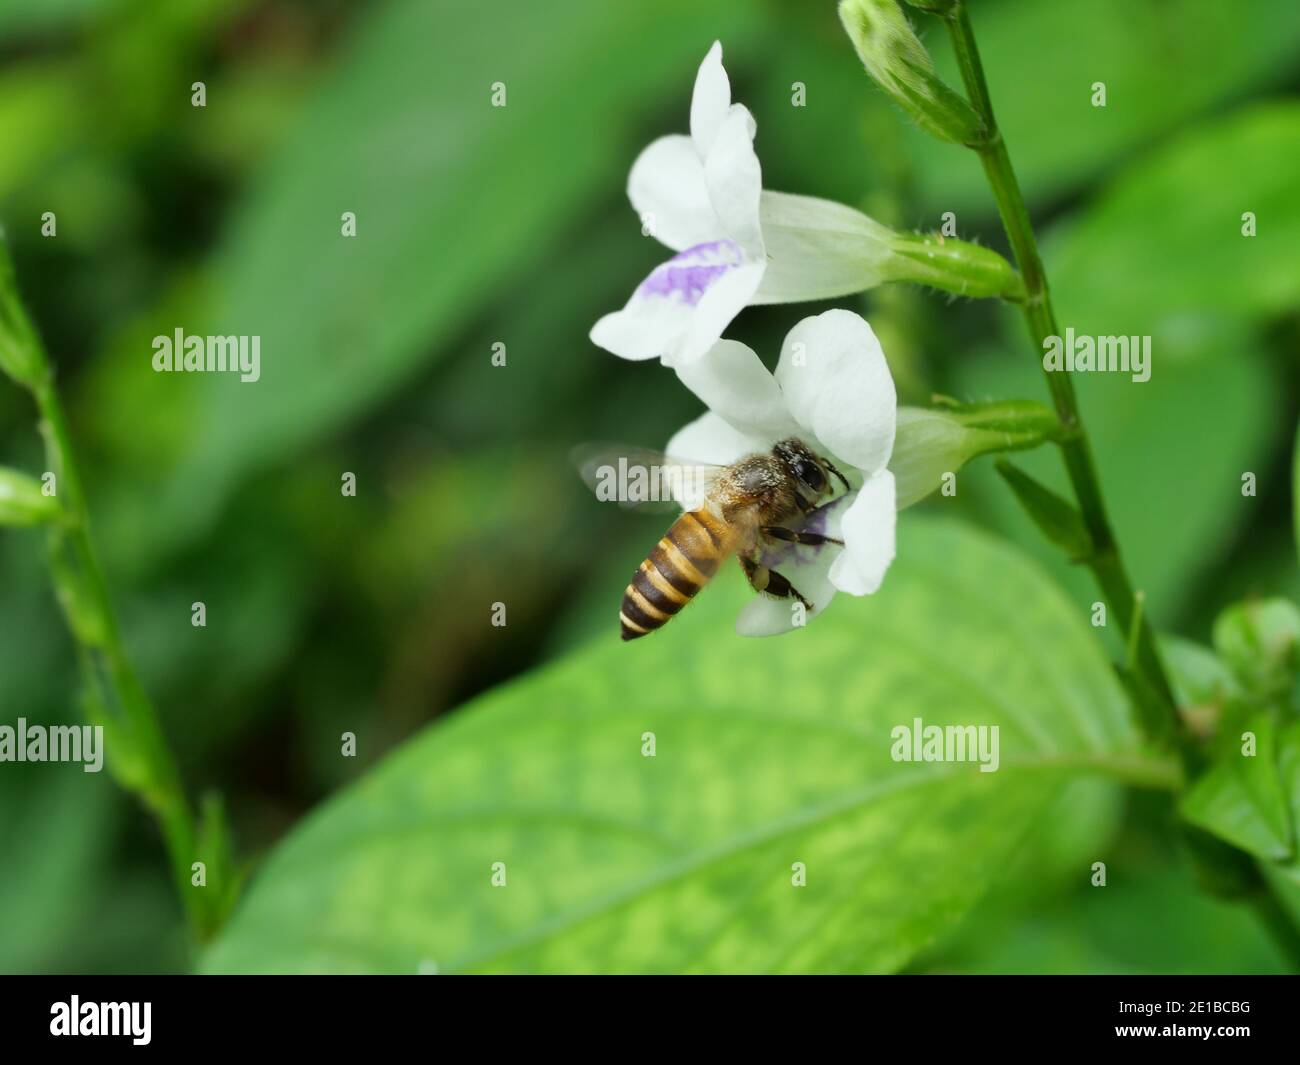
478	226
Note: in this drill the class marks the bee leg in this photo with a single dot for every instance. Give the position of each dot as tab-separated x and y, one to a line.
769	582
795	536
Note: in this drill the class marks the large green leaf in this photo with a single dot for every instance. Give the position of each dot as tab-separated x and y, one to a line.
1171	229
1151	917
456	202
768	753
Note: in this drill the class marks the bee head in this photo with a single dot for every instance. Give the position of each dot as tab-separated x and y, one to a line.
808	468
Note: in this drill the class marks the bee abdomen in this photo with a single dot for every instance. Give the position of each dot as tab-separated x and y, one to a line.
682	563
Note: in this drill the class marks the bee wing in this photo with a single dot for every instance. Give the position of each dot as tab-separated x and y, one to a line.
645	479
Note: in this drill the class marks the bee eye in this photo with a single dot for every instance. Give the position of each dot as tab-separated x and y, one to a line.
811	475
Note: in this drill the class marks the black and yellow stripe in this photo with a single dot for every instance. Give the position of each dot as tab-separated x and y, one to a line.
682	563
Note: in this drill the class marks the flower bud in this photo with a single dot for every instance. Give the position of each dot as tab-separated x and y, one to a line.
899	63
930	443
22	501
21	356
1260	642
953	265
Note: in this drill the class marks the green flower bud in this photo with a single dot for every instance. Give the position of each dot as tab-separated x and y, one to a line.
1260	642
22	502
931	443
954	266
896	59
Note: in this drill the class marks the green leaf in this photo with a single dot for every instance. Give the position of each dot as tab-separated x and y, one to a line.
615	861
1057	519
1260	641
48	884
1151	917
1288	758
1240	797
1172	228
457	203
1204	686
214	848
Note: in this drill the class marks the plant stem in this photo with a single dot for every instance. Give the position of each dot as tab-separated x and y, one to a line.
160	784
141	759
1104	561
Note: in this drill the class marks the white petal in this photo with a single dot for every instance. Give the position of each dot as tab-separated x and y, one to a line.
838	387
817	249
712	439
667	189
734	383
710	101
735	181
681	309
806	571
724	298
867	530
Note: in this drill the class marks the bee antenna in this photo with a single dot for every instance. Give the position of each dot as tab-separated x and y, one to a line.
843	480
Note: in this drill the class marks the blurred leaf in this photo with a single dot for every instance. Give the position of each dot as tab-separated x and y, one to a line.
1200	678
55	828
1171	229
42	16
1240	797
683	861
214	848
455	200
1149	918
1289	774
1162	62
1295	490
38	121
1153	451
1260	641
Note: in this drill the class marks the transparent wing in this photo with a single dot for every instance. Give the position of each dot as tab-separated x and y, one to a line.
641	478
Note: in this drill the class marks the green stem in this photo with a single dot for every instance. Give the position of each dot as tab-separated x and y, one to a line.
1105	561
144	763
160	785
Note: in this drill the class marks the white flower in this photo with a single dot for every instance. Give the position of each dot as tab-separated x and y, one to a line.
833	390
737	245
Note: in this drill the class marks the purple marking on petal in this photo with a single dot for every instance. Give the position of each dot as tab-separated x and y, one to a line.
781	553
691	273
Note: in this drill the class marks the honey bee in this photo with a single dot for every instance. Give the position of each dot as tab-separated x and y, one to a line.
740	509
